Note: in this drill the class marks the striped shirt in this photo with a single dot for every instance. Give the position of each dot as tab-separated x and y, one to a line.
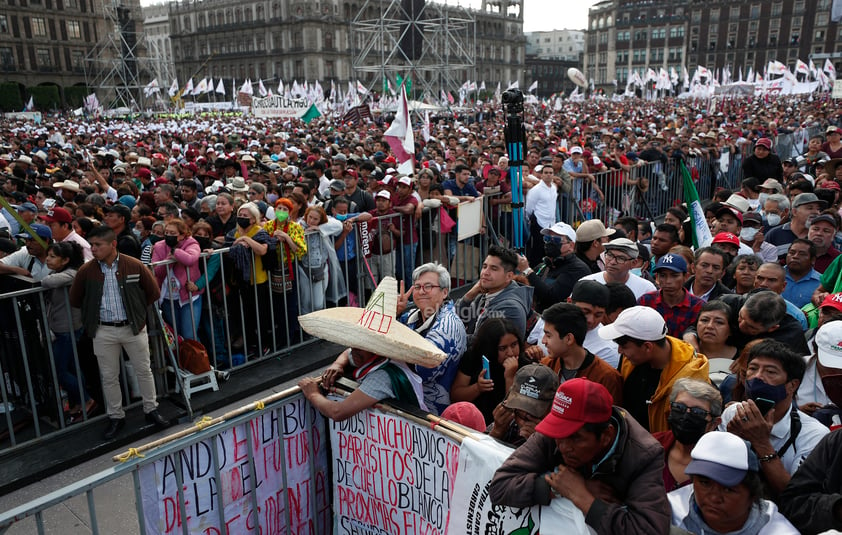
111	308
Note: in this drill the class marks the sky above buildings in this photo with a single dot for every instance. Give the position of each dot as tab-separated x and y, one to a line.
539	15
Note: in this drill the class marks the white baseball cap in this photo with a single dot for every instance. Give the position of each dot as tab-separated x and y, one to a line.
722	457
576	150
383	193
829	344
560	229
642	323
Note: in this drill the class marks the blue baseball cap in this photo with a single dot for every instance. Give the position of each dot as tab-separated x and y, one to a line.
672	262
43	231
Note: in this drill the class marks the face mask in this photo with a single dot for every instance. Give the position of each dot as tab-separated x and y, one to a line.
243	222
757	388
171	241
341	217
838	237
281	215
833	388
687	427
272	198
154	238
636	271
552	249
773	220
203	241
136	233
748	233
761	198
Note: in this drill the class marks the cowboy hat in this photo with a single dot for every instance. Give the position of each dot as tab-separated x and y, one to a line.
374	328
831	165
69	185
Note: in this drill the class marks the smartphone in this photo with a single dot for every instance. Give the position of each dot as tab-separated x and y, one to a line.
485	367
764	405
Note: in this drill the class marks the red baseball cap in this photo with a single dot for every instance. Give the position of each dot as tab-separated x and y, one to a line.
727	237
143	172
833	301
57	214
577	402
764	142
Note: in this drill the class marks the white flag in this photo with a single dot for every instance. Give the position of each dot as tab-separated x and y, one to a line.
188	89
151	88
209	88
533	86
173	90
280	87
399	135
801	67
829	69
513	85
425	130
776	67
361	88
261	89
201	87
30	105
246	88
220	88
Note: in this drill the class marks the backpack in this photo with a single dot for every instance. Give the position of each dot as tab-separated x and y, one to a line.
193	357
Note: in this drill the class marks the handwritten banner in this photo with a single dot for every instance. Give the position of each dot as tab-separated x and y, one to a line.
472	512
390	476
289	478
279	107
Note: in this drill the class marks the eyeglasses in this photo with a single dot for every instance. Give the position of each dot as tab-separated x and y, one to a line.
619	259
553	239
681	408
252	192
426	288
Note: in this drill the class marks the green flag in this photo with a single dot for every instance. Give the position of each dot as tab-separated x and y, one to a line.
401	80
310	114
701	231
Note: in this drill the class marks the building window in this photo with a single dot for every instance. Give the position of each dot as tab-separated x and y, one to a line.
39	27
72	4
777	8
819	35
4	24
799	6
714	15
74	29
818	50
696	17
821	19
7	58
77	60
676	31
754	13
735	12
42	56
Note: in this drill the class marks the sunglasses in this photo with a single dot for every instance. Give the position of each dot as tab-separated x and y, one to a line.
681	408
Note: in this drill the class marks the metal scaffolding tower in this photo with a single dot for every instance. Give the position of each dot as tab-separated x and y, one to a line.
117	66
432	43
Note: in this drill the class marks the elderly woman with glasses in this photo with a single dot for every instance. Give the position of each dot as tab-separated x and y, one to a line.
434	317
695	409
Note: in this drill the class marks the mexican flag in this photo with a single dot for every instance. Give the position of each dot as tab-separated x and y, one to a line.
701	232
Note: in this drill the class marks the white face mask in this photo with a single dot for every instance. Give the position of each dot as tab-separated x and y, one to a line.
773	219
748	233
761	199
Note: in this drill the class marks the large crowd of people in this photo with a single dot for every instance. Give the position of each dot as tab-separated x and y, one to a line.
589	350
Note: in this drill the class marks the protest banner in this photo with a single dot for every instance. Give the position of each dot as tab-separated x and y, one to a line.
276	460
390	475
278	107
472	512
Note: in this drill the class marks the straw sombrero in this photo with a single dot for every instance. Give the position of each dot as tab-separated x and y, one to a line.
374	328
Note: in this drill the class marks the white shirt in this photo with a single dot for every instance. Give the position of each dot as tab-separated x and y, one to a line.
21	258
811	433
638	285
812	389
83	243
541	202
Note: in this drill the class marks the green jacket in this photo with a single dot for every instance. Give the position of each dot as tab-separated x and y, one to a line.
138	290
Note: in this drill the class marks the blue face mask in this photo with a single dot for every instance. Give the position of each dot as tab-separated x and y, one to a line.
757	388
341	217
636	271
272	198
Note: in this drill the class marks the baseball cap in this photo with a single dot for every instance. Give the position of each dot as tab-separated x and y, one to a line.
727	237
28	207
119	209
764	142
337	185
830	184
405	180
829	339
576	150
623	244
771	183
591	292
833	301
722	457
827	218
59	215
576	403
752	217
465	413
43	231
533	390
806	198
560	229
672	262
383	193
591	230
832	130
143	172
642	323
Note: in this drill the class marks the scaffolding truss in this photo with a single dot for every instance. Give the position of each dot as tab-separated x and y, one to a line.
439	45
117	66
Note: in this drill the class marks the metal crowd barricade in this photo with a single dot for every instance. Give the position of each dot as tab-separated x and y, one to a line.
37	511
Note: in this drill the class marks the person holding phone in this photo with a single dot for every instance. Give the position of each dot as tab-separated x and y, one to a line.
781	435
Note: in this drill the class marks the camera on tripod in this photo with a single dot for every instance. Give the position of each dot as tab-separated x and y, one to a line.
513	100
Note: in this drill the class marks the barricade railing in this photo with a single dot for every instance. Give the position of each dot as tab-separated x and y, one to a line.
263	464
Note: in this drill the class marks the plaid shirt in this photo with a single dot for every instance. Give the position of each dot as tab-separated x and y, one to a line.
679	317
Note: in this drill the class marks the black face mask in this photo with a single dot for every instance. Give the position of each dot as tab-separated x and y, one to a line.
243	222
171	241
154	238
552	249
833	388
687	427
204	242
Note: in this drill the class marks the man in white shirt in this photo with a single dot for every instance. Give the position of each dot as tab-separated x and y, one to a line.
29	261
619	254
540	211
